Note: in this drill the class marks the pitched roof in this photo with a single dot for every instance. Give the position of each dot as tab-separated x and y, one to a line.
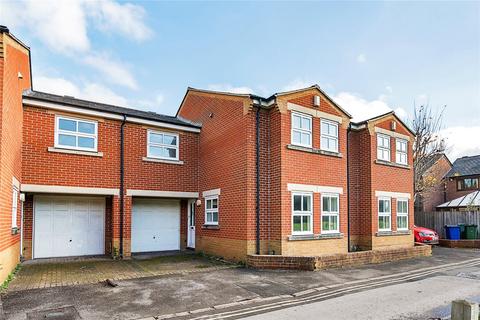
431	160
71	101
465	166
471	199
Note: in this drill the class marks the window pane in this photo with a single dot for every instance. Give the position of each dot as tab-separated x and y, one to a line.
86	127
156	138
324	143
215	216
305	138
402	222
306	223
381	206
209	204
86	142
334	202
156	151
296	137
171	140
332	130
214	203
332	144
296	121
171	153
306	203
69	125
297	223
387	205
306	124
334	223
326	204
325	223
297	203
67	140
324	127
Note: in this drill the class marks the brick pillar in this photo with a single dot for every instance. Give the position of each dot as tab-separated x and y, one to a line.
127	226
115	226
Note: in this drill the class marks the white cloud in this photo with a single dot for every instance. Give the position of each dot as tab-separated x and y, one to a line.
421	99
389	89
90	91
115	72
359	108
225	87
460	141
296	84
63	25
361	58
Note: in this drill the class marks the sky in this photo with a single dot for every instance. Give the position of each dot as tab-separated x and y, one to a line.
370	57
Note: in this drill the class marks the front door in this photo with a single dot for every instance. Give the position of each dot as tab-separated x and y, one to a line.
191	224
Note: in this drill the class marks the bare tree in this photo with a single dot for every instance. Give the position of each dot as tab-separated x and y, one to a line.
428	144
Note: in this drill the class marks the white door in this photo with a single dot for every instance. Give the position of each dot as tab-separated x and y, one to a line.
155	225
68	226
191	224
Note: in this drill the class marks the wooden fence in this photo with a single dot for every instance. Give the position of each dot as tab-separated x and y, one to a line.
437	220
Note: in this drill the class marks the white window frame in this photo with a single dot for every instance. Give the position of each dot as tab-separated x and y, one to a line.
300	130
212	210
381	148
384	214
403	214
328	136
330	213
401	156
176	147
303	213
77	134
14	207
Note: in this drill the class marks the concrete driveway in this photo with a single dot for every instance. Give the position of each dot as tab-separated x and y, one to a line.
37	274
209	292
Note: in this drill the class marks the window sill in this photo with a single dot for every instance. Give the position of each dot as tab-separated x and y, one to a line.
324	236
211	226
393	233
392	164
147	159
77	152
314	151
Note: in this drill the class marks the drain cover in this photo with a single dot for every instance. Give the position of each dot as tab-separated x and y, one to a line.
64	313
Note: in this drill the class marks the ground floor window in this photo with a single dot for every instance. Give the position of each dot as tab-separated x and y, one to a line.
384	214
211	210
302	213
330	204
402	214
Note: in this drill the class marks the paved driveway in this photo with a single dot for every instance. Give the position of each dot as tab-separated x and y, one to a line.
68	272
206	293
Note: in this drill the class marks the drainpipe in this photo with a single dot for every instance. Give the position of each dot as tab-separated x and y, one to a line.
257	149
348	190
22	200
122	173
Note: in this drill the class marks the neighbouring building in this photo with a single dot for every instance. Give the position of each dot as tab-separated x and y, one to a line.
468	202
229	175
434	171
463	178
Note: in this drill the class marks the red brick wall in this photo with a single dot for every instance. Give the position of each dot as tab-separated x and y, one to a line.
451	188
14	59
435	195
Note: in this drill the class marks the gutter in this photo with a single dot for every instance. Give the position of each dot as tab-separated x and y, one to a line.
122	187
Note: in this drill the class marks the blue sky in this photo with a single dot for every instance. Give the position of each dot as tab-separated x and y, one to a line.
369	56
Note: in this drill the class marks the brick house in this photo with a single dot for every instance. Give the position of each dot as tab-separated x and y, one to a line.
436	168
229	175
463	178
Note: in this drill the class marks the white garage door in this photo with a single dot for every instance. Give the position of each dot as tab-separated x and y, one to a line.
155	225
68	226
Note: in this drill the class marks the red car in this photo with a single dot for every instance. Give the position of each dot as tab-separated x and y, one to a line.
425	235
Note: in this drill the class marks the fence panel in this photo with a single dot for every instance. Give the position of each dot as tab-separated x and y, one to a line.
437	220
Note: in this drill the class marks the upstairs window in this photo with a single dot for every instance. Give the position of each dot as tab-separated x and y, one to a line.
402	214
384	214
401	154
302	213
330	213
76	134
467	184
301	129
162	145
329	135
211	210
383	147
